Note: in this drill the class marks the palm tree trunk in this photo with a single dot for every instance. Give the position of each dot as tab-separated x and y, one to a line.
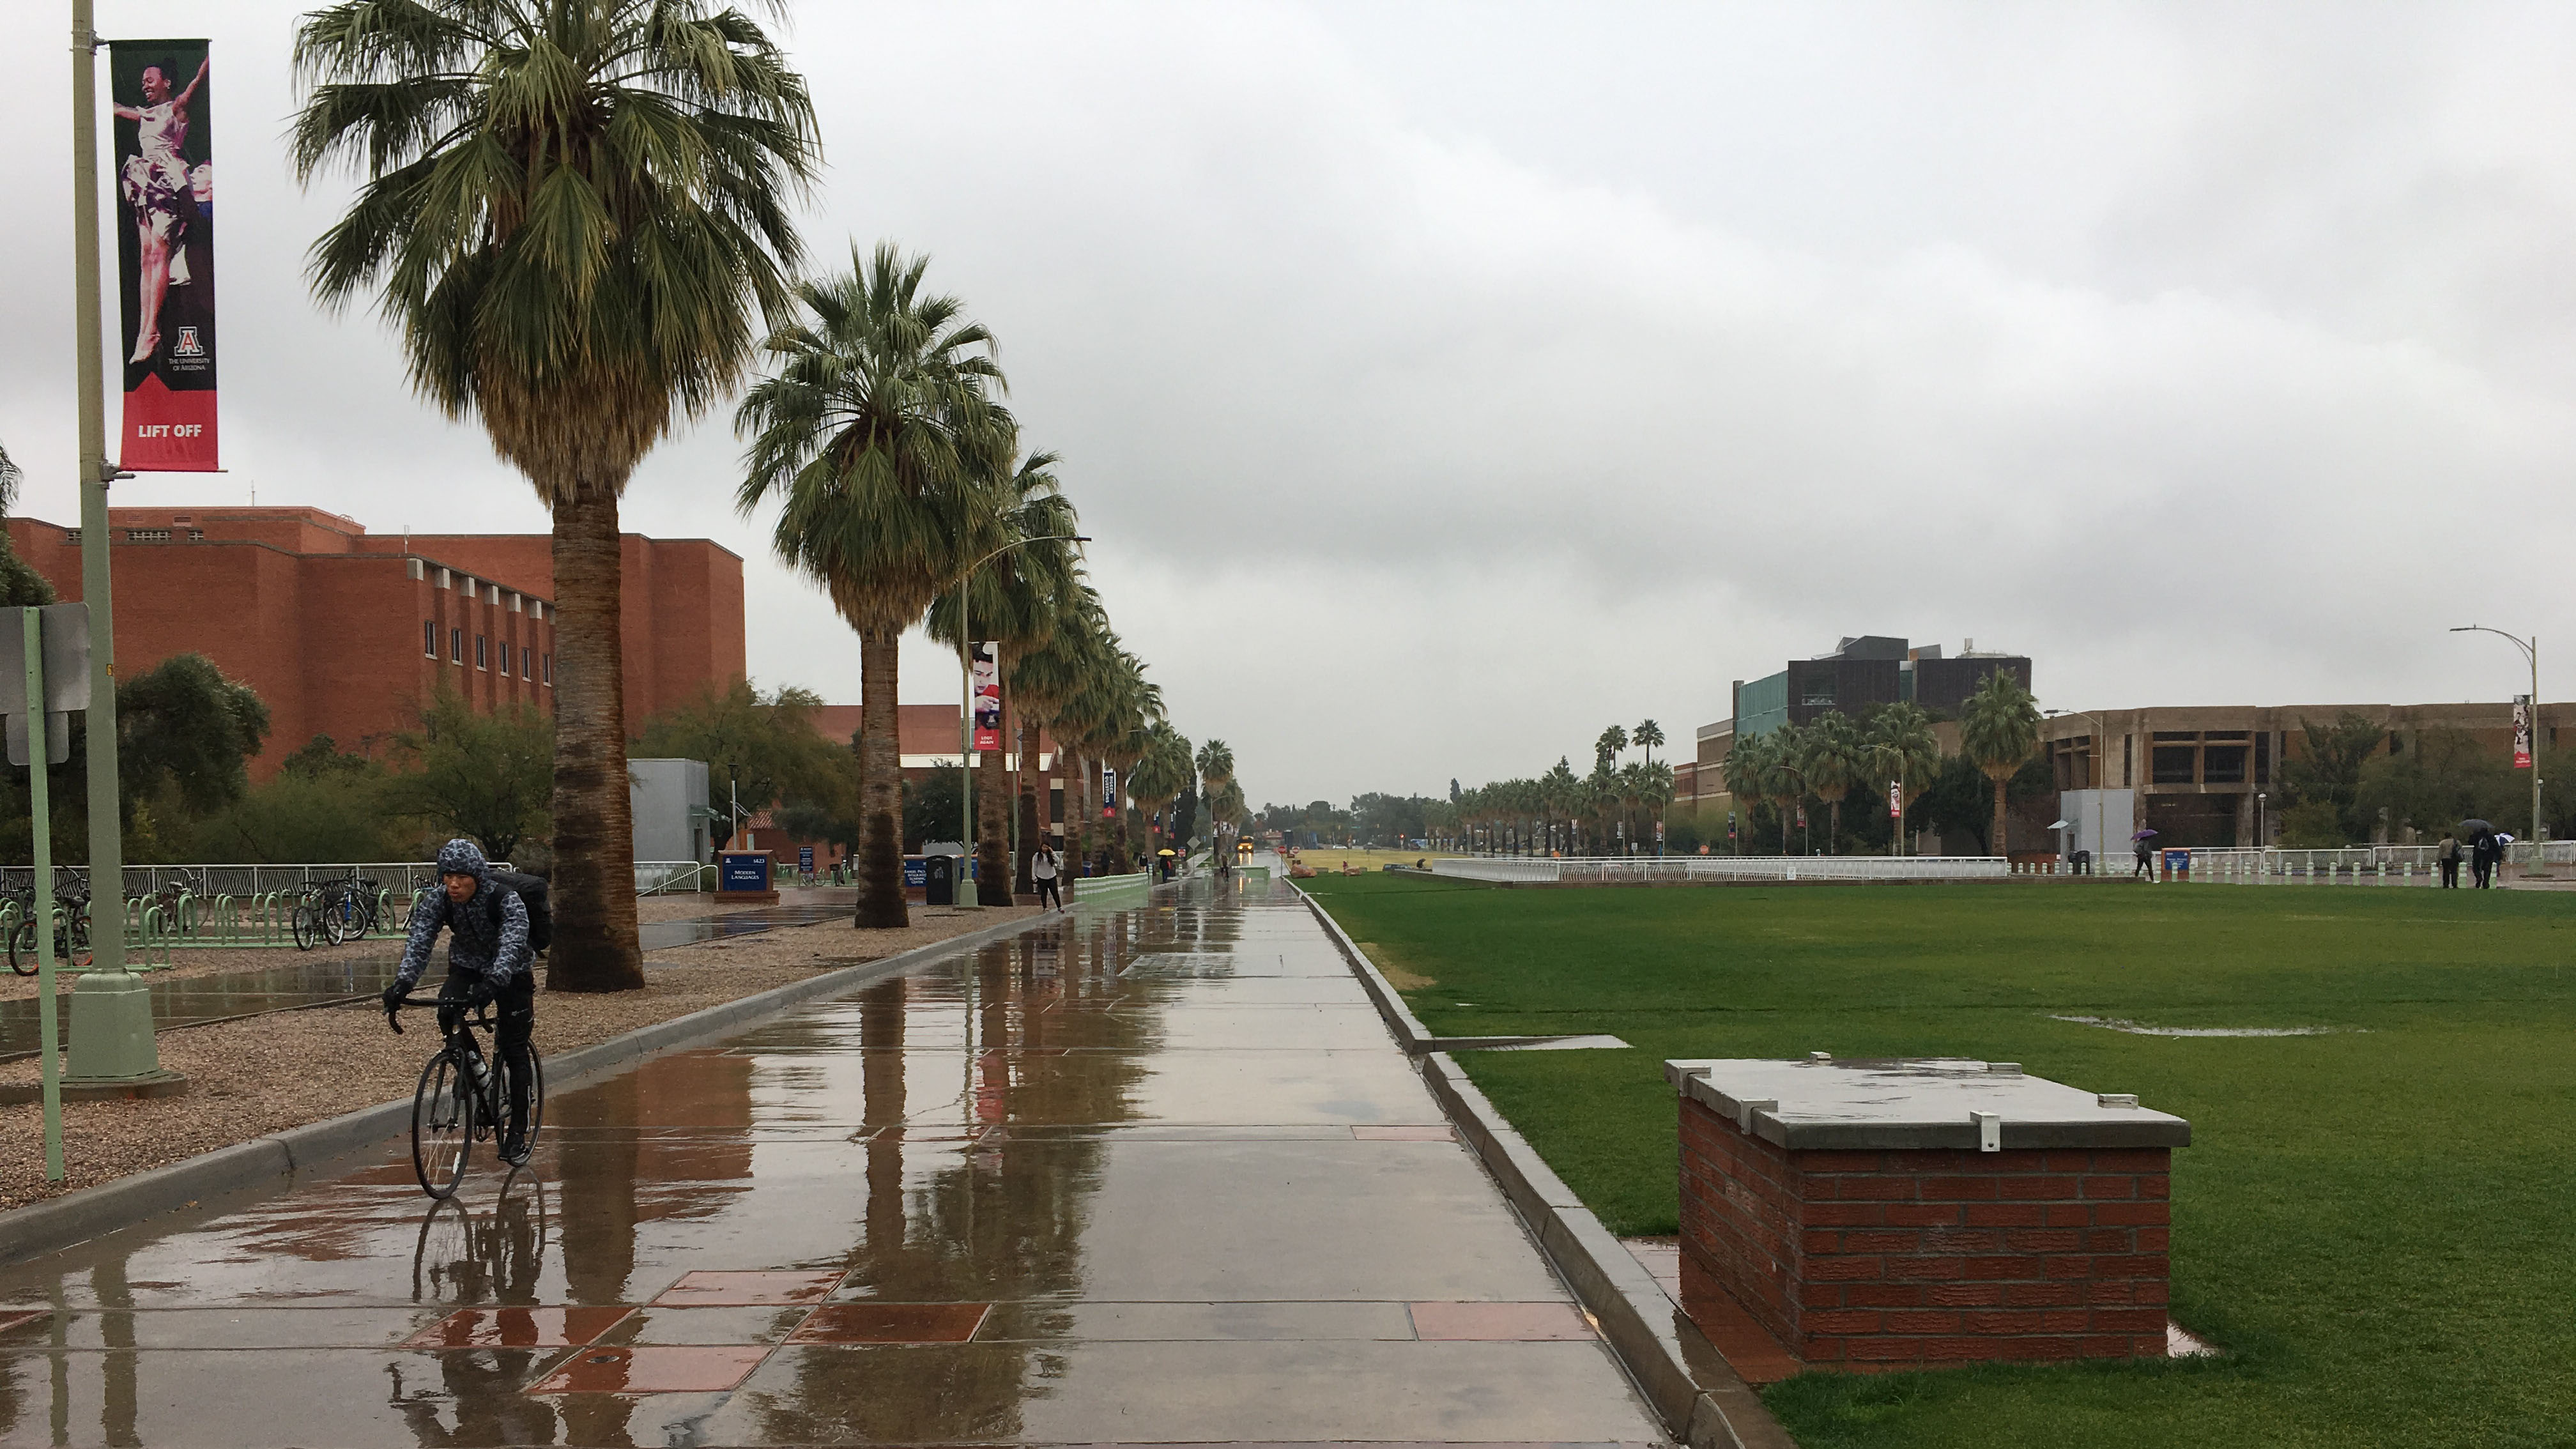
593	886
879	861
1032	809
993	820
1834	830
1999	818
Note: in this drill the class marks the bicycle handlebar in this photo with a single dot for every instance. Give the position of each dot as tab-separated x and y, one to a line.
482	1015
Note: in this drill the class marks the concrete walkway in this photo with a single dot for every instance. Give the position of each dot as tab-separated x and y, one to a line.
1153	1175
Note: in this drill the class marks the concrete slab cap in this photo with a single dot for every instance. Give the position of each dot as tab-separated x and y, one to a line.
1930	1102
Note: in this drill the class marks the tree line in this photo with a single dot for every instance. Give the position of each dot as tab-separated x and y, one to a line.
579	221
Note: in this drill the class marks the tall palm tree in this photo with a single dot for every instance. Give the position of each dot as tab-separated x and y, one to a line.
1161	775
1999	732
1015	599
573	210
879	434
1904	751
1216	771
1784	776
1747	769
1836	760
1048	682
1605	750
1646	736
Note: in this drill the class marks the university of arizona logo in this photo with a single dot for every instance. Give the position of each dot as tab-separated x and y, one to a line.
187	345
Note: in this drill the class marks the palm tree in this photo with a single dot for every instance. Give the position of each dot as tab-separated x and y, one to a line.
1606	749
1560	796
879	434
1999	732
1655	790
1747	769
1216	771
1784	775
1015	599
1904	751
1836	758
1049	682
1646	736
573	209
1161	774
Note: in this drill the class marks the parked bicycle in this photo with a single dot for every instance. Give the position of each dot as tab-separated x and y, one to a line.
71	926
335	912
464	1098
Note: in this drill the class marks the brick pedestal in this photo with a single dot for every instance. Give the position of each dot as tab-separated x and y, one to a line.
1879	1215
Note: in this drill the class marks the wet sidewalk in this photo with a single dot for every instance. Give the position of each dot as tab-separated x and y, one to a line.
1151	1175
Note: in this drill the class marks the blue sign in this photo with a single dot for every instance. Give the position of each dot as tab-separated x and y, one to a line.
746	871
2178	861
916	873
805	857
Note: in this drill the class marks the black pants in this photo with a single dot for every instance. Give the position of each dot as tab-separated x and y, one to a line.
2146	867
1049	893
2484	870
2450	875
516	1010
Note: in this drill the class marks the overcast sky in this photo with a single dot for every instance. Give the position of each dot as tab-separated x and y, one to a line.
1445	381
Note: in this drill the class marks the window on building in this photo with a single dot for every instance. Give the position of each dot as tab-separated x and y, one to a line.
196	535
2172	764
2223	764
479	653
72	536
527	662
549	662
2164	735
429	637
2263	758
456	646
147	535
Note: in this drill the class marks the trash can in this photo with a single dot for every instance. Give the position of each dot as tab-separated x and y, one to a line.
939	880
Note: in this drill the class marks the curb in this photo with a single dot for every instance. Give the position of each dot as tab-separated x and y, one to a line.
91	1212
1681	1374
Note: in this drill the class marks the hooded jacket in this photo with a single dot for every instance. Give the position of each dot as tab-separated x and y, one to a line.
474	947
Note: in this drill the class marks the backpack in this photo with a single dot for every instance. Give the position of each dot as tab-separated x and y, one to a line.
531	890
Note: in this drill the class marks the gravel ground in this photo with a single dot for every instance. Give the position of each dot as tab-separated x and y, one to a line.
268	1073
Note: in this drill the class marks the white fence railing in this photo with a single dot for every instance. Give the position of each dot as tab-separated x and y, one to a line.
398	877
2359	862
1672	869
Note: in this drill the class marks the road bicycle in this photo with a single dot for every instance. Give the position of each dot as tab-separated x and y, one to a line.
464	1098
71	927
334	913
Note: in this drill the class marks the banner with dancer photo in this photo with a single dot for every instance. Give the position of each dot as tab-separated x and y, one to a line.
165	252
2522	732
988	697
1108	793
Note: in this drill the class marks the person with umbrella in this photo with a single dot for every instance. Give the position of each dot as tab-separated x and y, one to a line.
2146	855
2483	851
2449	856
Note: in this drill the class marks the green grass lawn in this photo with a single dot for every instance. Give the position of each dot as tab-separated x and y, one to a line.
2378	1225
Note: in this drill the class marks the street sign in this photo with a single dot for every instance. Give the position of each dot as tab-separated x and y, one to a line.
58	737
66	628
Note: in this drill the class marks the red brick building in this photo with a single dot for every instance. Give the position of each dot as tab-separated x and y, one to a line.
347	633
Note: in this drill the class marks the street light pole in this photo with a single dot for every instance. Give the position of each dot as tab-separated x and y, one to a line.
966	893
2531	717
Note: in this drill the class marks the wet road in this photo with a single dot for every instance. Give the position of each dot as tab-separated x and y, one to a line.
1151	1175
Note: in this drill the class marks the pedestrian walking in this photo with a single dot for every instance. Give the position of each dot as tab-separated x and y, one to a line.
2449	856
2482	860
2146	860
1042	869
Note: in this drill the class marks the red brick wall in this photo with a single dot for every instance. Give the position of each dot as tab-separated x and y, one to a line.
1869	1260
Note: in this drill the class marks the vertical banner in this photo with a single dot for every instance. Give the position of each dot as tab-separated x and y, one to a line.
165	253
1895	799
1108	793
988	697
2522	732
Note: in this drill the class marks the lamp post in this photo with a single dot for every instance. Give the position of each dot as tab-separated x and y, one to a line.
966	895
2530	652
2101	774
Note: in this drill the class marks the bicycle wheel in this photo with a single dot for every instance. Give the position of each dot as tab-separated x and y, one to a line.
305	924
442	1126
22	948
78	951
536	1108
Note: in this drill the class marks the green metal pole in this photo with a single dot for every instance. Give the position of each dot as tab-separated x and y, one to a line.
106	838
41	901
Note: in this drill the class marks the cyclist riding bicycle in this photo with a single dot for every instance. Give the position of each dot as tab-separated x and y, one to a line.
488	962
